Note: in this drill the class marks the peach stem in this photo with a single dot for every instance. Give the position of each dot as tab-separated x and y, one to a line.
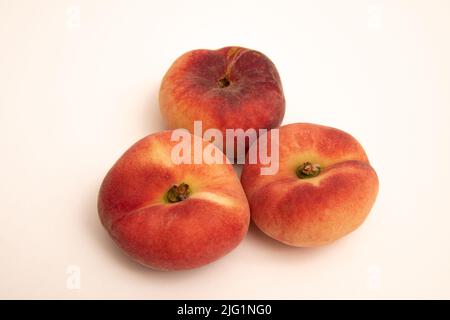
178	193
308	170
223	82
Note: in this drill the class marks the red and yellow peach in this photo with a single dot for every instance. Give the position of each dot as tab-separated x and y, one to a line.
172	216
324	189
228	88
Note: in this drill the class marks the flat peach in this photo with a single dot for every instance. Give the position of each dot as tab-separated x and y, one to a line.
324	189
228	88
172	216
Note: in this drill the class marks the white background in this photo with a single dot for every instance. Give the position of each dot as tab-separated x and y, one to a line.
78	85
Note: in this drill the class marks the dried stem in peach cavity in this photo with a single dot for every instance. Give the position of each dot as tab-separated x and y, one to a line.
178	193
223	82
308	170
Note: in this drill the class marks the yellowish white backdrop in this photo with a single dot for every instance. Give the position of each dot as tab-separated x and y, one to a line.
79	83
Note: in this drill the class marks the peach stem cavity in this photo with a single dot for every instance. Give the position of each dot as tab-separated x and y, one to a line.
223	82
178	193
308	170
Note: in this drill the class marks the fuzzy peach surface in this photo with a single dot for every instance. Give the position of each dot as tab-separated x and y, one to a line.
170	236
251	98
319	210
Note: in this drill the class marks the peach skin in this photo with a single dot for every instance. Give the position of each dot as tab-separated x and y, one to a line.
172	216
228	88
324	189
